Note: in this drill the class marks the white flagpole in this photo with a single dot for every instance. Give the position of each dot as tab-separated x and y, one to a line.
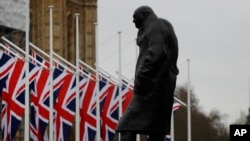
98	117
189	102
77	116
51	106
249	92
172	126
27	99
120	76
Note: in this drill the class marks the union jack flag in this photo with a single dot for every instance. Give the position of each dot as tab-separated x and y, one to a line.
176	106
65	104
168	137
64	108
88	112
40	105
13	93
127	93
40	95
88	107
104	89
109	112
6	63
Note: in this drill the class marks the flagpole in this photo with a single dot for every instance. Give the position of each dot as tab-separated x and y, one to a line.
172	126
77	116
98	117
120	76
248	117
189	102
51	100
27	99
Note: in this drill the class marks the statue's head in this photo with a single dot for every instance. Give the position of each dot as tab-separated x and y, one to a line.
141	14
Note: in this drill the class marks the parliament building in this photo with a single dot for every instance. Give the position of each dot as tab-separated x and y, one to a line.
64	32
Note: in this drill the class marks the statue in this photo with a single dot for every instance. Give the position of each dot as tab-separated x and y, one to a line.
150	109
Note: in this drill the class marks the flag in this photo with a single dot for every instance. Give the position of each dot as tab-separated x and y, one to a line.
176	106
127	93
168	137
88	107
13	100
88	112
6	64
110	108
104	90
65	102
13	13
110	112
40	105
40	94
64	108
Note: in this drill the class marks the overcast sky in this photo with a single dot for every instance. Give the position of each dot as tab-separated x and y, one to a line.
213	34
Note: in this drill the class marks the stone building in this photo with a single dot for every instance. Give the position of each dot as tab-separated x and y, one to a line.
64	27
64	40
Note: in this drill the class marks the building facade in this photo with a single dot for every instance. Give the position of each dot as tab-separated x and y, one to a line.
64	32
64	27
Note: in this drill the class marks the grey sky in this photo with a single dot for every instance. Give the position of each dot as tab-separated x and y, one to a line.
214	35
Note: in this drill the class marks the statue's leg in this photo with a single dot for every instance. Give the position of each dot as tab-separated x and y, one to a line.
128	136
156	137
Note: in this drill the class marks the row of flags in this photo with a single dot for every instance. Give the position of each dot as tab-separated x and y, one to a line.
12	80
12	90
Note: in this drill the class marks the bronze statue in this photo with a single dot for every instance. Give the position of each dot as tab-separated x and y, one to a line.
150	109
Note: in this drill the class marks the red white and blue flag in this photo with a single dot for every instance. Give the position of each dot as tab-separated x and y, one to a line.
6	64
168	137
65	105
88	112
64	108
109	112
13	93
176	106
127	93
110	108
40	106
88	107
12	89
40	94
